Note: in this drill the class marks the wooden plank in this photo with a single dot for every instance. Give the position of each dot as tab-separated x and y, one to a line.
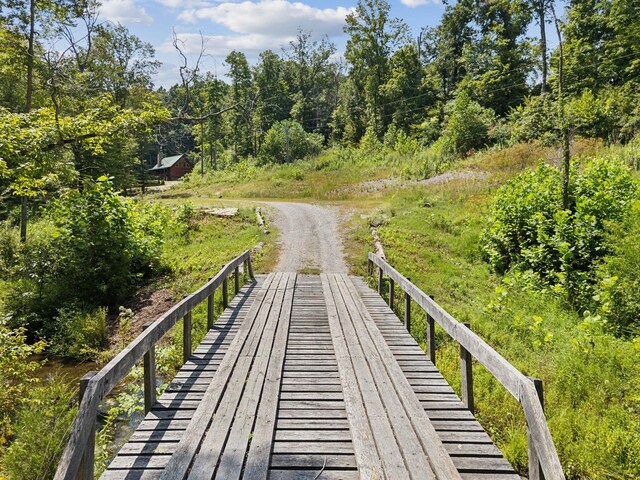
376	389
452	425
367	457
438	458
259	344
103	382
181	460
511	378
257	462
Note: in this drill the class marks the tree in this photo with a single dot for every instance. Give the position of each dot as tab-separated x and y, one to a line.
499	61
241	94
274	101
309	72
373	35
403	89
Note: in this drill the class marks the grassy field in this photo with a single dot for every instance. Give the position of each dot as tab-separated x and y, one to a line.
431	233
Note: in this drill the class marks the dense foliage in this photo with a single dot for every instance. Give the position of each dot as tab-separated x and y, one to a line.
529	229
93	251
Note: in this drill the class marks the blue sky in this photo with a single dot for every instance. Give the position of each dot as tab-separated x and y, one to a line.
250	26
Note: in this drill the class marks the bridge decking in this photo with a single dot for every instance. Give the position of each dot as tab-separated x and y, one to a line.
284	388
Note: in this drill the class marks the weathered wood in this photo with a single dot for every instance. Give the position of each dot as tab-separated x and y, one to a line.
535	470
182	458
466	376
407	312
225	293
380	280
439	460
250	265
210	307
104	381
368	459
236	280
431	336
85	472
149	368
510	377
257	463
237	411
186	337
392	285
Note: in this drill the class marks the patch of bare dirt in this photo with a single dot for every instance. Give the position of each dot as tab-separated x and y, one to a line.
148	304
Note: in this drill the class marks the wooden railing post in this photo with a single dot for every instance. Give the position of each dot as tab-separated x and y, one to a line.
380	280
466	376
85	472
407	312
392	287
149	363
250	264
225	292
431	337
535	469
186	338
236	280
210	305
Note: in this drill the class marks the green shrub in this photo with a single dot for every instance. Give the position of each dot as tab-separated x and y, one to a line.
287	141
9	247
80	335
105	244
466	126
15	374
42	427
619	281
529	229
535	119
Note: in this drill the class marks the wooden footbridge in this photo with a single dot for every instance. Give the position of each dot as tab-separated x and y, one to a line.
308	377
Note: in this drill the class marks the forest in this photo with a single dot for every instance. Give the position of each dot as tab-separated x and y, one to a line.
543	95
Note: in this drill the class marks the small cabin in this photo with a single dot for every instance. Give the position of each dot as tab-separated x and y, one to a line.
172	168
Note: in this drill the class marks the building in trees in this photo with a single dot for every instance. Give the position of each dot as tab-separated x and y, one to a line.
172	168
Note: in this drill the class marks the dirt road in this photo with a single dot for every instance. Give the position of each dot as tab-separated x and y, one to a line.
309	238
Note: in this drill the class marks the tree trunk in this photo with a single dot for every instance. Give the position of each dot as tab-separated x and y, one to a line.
29	100
564	126
23	219
543	44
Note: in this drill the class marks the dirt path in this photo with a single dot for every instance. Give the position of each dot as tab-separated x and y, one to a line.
309	238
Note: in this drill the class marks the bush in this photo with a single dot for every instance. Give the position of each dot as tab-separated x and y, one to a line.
287	141
535	119
619	281
80	335
466	126
43	425
92	250
105	244
9	247
529	229
15	374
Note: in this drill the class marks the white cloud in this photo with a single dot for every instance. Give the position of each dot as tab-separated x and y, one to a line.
417	3
221	45
271	17
124	11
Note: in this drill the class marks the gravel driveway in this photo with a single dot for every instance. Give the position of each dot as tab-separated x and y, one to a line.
309	238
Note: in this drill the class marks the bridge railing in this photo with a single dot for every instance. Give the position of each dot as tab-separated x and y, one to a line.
77	460
543	457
